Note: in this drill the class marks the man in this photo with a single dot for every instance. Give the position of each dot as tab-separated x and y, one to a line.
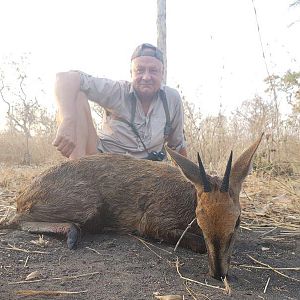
139	116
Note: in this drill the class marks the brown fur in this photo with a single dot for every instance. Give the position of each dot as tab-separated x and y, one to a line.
150	198
117	192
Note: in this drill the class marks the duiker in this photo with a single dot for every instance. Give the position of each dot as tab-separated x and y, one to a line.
150	198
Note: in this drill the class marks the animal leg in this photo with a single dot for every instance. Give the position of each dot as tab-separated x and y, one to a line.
68	229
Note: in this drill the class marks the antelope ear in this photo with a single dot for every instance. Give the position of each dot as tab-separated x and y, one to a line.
242	167
188	168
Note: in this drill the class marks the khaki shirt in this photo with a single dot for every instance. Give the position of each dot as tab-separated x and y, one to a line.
117	136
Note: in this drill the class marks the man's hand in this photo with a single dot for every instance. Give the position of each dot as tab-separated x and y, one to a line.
65	140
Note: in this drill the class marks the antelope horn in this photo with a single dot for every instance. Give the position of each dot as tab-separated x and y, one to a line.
203	177
225	183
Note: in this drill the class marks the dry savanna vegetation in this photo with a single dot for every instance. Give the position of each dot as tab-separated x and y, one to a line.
270	200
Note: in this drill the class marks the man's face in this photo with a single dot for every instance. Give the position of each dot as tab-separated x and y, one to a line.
147	75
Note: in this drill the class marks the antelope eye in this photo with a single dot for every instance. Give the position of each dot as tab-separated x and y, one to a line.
238	221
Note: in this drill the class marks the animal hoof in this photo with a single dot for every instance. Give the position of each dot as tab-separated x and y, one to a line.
72	237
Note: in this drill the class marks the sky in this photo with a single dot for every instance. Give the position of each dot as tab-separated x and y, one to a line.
213	47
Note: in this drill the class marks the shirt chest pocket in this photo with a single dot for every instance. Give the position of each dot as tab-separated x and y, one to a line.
158	124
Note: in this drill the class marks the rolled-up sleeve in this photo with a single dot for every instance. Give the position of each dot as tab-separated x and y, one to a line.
105	92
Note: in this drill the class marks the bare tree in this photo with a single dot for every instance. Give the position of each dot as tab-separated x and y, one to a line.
297	2
289	84
98	113
23	109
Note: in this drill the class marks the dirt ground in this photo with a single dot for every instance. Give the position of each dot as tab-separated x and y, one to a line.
265	264
112	266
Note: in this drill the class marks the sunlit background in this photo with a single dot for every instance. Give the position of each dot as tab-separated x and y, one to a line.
213	47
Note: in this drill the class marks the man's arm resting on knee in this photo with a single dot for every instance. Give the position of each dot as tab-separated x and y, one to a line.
66	89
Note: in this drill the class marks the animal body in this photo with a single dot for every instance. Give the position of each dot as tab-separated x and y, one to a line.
153	199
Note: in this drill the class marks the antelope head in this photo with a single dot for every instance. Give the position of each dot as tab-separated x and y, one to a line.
218	208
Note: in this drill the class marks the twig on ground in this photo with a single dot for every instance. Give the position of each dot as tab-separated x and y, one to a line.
189	226
46	293
14	248
167	297
161	249
273	269
270	221
266	268
269	231
246	228
193	294
266	286
190	291
248	195
145	244
55	278
289	234
195	281
286	187
152	245
94	250
26	261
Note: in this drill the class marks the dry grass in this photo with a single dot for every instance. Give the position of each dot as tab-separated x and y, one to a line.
12	180
272	201
13	149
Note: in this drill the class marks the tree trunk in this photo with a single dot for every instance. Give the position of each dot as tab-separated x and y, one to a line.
162	33
27	155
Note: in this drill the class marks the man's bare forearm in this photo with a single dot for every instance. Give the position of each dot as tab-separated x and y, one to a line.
66	89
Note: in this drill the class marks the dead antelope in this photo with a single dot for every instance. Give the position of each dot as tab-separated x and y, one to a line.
150	198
